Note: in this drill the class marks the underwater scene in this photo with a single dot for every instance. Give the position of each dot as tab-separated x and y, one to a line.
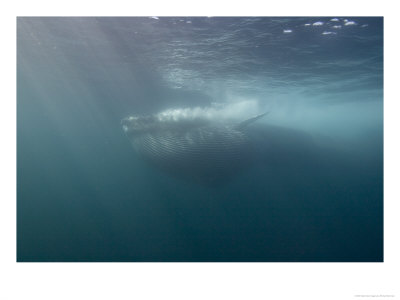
200	139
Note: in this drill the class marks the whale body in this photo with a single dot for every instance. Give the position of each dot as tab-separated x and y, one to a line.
205	151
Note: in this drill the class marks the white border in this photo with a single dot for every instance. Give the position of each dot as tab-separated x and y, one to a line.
196	281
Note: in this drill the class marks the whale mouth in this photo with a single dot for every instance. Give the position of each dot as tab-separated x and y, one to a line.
134	125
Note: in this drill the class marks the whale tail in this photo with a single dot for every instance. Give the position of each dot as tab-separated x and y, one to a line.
245	123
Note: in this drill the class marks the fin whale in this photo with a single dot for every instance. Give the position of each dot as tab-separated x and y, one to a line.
205	151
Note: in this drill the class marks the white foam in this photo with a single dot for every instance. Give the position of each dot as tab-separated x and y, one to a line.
350	23
237	110
328	32
287	30
319	23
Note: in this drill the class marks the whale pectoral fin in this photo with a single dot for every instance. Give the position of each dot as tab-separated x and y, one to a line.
245	123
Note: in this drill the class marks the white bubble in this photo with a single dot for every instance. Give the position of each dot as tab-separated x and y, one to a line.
349	23
319	23
236	110
328	32
287	31
308	24
335	20
155	18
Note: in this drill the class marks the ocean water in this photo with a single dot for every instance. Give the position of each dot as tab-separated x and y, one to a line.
314	195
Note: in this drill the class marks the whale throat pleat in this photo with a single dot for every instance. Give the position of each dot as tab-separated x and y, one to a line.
201	152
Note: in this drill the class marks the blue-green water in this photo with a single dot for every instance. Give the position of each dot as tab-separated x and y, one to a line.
83	194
